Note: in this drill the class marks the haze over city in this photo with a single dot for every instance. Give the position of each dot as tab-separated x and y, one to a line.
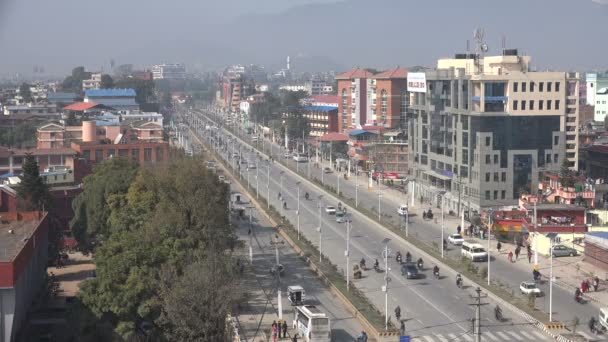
209	34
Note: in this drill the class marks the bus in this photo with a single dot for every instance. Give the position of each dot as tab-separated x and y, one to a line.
312	324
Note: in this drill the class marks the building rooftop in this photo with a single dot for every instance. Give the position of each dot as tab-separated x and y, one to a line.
320	108
334	137
359	132
110	93
325	99
392	74
598	148
60	96
13	236
354	73
82	106
554	206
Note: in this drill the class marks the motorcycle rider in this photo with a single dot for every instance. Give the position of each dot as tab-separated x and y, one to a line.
362	263
398	312
436	271
306	196
376	264
498	313
420	263
577	295
408	257
398	257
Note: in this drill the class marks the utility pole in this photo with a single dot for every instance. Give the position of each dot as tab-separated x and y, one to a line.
347	252
268	186
386	280
442	227
276	243
477	319
379	209
489	256
319	229
298	211
257	182
535	238
356	190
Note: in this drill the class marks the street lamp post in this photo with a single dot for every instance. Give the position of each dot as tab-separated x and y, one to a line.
281	192
386	279
250	233
379	208
268	186
356	190
257	182
298	211
442	227
347	252
407	221
551	284
489	256
319	229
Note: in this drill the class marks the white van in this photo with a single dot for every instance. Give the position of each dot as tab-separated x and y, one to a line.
474	251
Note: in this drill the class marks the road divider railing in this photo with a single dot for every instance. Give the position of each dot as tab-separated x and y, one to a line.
471	273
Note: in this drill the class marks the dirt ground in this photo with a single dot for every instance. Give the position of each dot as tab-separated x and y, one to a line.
78	268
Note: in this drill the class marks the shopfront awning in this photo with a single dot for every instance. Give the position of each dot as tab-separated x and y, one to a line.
437	175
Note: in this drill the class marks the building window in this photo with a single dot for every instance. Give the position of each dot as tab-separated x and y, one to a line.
515	85
135	154
159	154
541	85
556	140
503	194
540	104
523	87
488	159
488	195
531	104
111	152
549	84
98	155
503	177
496	159
383	105
86	154
123	153
487	176
147	154
548	159
465	139
531	87
495	194
556	87
523	105
496	176
515	105
555	158
465	156
488	140
556	101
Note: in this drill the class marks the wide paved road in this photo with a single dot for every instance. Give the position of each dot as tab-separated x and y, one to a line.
433	309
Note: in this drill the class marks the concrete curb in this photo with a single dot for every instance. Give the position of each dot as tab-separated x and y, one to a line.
539	325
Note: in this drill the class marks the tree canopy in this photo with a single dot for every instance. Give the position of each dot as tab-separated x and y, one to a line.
32	188
25	92
106	82
143	88
74	81
22	135
166	256
566	176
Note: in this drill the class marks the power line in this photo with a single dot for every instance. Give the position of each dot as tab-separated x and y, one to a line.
477	320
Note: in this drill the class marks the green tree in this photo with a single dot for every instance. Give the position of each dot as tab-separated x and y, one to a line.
20	136
106	82
566	176
606	122
25	92
143	88
74	81
32	188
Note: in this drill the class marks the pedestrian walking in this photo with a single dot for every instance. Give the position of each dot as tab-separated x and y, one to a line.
596	283
274	331
529	257
583	286
458	229
498	246
517	251
284	329
588	285
294	338
510	256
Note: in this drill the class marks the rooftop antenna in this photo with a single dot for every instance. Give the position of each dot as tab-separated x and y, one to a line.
504	42
480	47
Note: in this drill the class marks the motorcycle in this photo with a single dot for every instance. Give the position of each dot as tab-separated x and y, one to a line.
408	257
436	273
377	266
362	264
306	196
420	264
399	258
459	282
578	296
498	313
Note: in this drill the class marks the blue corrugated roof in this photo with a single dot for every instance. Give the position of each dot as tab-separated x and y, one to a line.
60	95
602	235
357	132
110	93
119	103
320	108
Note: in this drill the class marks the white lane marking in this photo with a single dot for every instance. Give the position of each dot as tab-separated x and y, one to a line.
503	335
490	335
428	338
466	337
585	335
526	334
452	337
441	338
517	337
540	335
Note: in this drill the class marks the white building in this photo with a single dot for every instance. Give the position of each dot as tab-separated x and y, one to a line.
169	72
297	87
245	107
93	83
597	95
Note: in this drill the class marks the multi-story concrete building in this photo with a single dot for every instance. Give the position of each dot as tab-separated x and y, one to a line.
389	98
322	119
354	98
169	72
93	83
597	94
483	129
119	99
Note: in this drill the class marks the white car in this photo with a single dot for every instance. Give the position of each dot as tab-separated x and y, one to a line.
330	209
251	166
286	155
529	288
455	239
402	210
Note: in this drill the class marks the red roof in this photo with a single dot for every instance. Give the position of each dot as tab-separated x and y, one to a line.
334	136
81	106
354	73
325	99
393	73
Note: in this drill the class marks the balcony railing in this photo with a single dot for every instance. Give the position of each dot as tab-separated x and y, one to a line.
571	193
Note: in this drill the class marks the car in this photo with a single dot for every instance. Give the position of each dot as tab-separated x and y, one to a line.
235	155
254	138
410	271
402	210
340	216
530	288
455	239
221	178
277	267
330	209
328	170
251	166
474	251
286	155
561	250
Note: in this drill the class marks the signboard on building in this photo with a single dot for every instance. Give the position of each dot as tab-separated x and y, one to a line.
416	82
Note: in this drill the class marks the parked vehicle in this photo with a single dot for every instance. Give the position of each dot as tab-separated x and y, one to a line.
455	239
402	210
340	216
561	250
300	158
328	170
330	209
296	294
286	155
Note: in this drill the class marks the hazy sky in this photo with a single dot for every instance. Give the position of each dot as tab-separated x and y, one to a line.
60	34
